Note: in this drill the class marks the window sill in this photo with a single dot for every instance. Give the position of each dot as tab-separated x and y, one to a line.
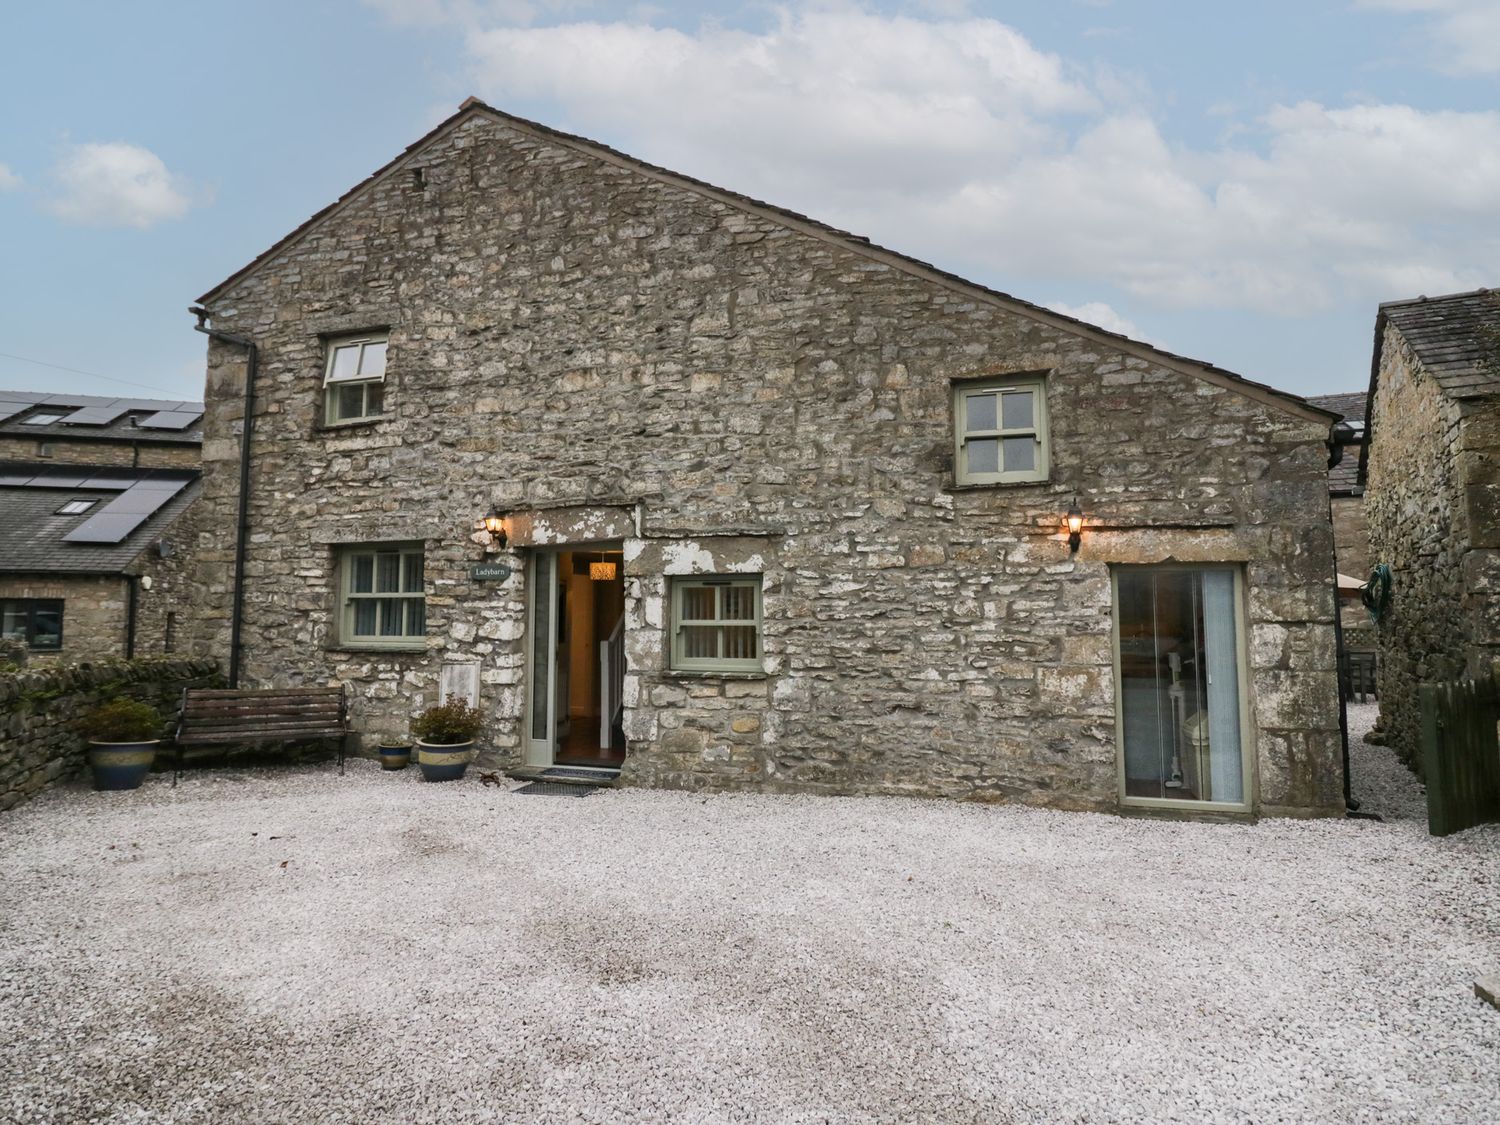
701	674
352	424
954	486
407	650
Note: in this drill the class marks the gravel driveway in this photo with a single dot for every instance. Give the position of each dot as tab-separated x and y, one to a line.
290	945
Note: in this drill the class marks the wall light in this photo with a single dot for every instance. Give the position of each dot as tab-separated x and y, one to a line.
1075	526
494	523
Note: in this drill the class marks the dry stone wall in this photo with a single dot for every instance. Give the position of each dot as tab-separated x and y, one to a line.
38	707
568	331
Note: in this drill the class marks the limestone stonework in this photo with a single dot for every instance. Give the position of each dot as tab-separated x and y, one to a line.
612	354
39	744
1433	503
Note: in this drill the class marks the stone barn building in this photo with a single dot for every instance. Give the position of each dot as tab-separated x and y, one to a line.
1432	497
97	516
769	507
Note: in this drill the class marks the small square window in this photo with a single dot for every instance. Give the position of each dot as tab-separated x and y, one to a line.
384	595
716	624
1000	431
44	449
354	378
76	507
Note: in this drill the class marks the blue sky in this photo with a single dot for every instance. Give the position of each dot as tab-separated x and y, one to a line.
1242	183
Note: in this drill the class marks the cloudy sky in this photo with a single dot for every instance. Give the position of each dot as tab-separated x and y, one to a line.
1242	183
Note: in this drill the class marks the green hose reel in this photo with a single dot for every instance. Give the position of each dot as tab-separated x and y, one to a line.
1376	595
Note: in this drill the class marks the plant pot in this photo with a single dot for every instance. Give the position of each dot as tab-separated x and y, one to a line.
444	761
395	757
121	765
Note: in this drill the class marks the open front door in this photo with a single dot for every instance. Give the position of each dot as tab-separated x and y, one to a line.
576	657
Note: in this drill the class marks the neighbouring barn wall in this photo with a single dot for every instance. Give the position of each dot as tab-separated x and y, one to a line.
568	331
94	613
1351	536
180	456
163	613
39	706
1418	529
1479	472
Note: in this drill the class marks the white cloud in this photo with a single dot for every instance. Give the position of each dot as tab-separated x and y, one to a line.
1100	315
1465	33
9	180
959	141
116	185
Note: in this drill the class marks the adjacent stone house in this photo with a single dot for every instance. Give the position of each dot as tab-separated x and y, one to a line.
1432	496
96	520
685	485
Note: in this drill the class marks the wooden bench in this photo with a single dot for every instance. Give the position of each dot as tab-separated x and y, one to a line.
215	716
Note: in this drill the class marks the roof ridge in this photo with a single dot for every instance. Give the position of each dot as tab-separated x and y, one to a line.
1482	291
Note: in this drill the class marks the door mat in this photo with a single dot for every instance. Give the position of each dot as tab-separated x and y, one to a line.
555	789
585	774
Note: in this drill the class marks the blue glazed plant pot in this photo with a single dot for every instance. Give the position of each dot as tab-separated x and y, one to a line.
395	757
121	765
444	762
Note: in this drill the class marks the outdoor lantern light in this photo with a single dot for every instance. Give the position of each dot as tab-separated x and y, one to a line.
494	523
1075	526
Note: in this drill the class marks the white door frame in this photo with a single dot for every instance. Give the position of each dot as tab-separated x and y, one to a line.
540	741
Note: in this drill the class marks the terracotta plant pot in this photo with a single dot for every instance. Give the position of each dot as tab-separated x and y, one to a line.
395	757
121	765
444	761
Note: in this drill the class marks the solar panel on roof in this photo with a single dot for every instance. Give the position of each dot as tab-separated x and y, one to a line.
126	512
106	528
9	408
170	420
99	415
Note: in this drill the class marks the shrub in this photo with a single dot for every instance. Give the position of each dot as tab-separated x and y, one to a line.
448	723
122	720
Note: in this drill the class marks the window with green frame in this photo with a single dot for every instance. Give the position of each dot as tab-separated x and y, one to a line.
382	595
1000	431
716	624
354	378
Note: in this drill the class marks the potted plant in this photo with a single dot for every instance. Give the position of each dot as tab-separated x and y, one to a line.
445	739
123	735
395	752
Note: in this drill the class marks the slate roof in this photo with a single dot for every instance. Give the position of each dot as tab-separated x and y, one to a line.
1343	478
33	537
101	418
1457	338
857	242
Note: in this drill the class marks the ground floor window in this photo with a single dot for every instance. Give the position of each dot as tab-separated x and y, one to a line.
1180	710
384	599
716	624
37	621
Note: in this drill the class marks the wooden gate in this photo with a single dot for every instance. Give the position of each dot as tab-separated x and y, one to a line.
1461	754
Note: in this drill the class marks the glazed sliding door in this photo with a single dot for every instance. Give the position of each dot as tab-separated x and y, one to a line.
1180	705
541	659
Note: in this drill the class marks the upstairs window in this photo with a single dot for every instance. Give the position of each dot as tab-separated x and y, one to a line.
1000	431
716	625
354	378
36	621
384	595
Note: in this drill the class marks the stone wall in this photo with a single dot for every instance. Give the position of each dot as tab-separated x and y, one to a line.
162	625
94	613
143	455
569	330
39	706
1418	528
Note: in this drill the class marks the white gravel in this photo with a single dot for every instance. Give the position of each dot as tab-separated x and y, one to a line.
290	945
